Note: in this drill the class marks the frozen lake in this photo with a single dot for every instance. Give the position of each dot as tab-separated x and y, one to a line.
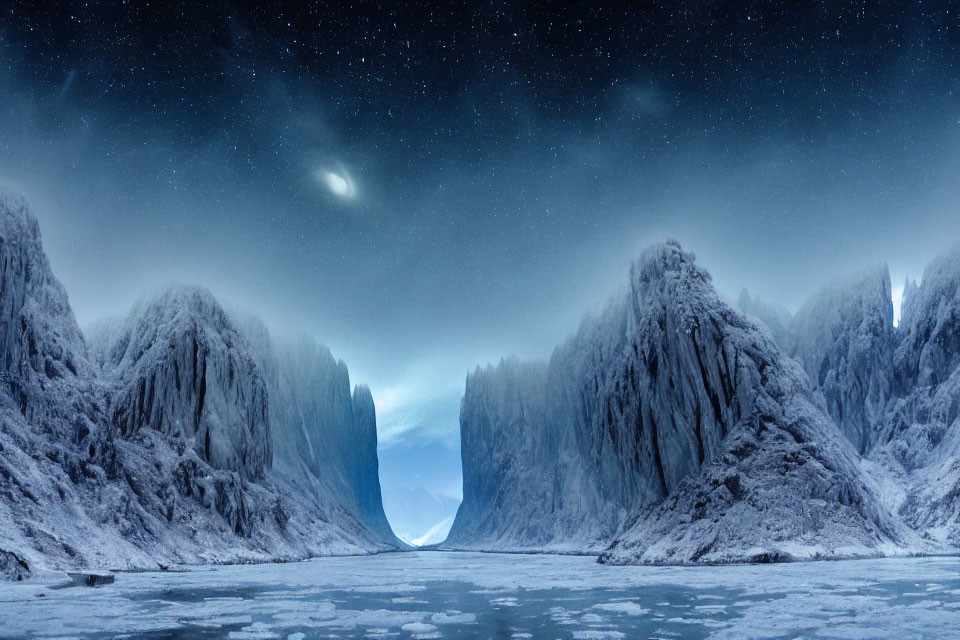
470	595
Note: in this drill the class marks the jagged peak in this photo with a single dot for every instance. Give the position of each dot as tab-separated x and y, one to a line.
844	337
666	265
19	229
164	451
668	288
930	325
667	280
860	302
939	289
16	219
869	286
32	297
908	300
177	299
179	365
172	310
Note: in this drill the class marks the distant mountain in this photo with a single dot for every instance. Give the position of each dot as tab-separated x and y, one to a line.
670	429
157	443
420	517
776	318
844	338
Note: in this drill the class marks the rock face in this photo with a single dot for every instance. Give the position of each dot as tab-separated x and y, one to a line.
525	485
41	350
844	339
777	481
13	567
322	430
895	392
155	445
55	446
179	367
674	420
920	443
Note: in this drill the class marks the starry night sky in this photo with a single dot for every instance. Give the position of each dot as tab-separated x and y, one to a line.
508	161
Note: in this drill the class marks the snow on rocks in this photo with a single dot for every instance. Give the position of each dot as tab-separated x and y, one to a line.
777	480
674	420
895	392
177	365
844	338
13	567
921	439
154	445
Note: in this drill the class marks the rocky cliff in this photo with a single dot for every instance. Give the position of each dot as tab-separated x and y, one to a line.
894	391
325	431
673	420
844	339
154	445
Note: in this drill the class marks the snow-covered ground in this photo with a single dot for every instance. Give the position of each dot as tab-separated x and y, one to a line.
456	595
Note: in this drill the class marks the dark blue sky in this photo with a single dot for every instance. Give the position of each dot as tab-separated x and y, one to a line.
506	161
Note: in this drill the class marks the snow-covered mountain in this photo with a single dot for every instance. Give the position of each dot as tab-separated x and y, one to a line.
844	339
672	426
418	515
324	432
917	448
178	366
155	445
778	480
894	392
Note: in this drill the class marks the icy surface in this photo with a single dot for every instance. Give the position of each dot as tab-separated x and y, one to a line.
154	445
455	595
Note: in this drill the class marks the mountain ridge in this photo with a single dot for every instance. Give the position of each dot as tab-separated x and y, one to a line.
693	438
152	443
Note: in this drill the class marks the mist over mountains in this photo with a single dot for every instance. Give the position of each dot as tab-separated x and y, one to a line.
672	428
178	434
